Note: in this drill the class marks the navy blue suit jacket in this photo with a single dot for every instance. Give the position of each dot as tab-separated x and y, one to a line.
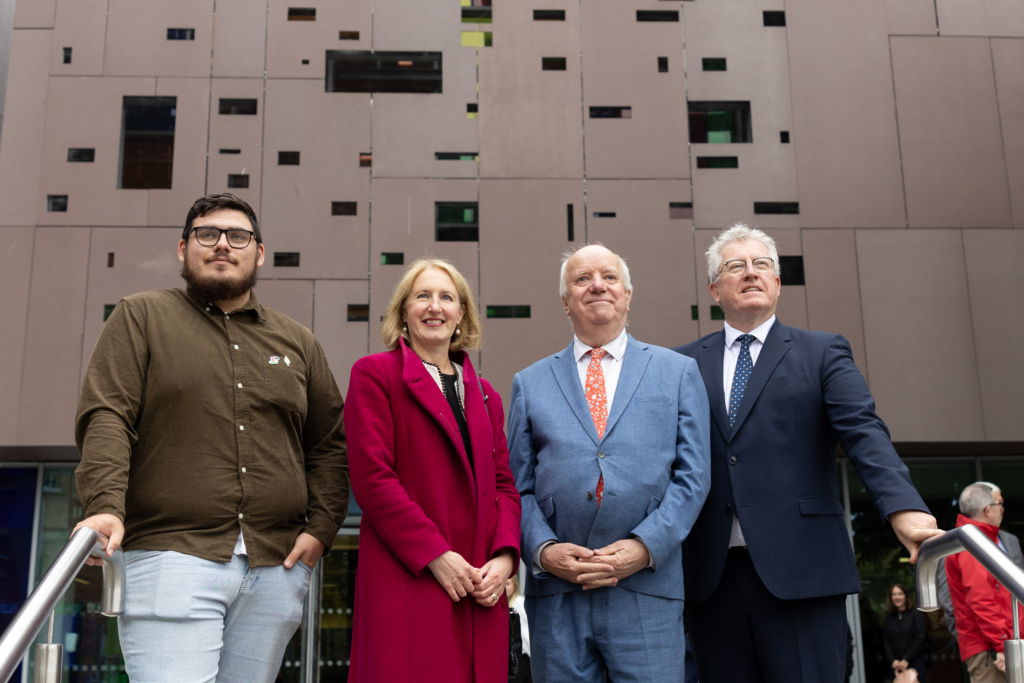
776	468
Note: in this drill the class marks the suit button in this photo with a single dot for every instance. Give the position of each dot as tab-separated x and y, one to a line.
732	460
728	508
590	495
600	454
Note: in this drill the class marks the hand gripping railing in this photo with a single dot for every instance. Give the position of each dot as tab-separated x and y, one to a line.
19	635
1010	576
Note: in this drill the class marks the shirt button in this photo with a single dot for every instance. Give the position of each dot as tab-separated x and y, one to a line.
600	454
732	460
239	385
227	317
207	309
243	470
240	515
590	495
242	429
236	347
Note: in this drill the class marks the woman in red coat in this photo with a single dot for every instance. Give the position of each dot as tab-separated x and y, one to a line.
429	466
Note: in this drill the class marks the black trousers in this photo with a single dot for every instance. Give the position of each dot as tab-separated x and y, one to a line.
744	634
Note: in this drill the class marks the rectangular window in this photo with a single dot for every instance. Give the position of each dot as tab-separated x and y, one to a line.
288	158
611	112
784	137
82	154
67	55
552	63
680	210
344	208
56	203
147	142
456	222
477	39
365	160
110	259
694	312
302	14
476	15
791	270
570	216
359	313
657	15
775	208
775	18
720	122
368	71
286	259
244	107
348	35
107	310
392	258
305	61
717	313
718	162
230	151
713	63
238	180
472	110
181	34
455	156
508	311
549	15
663	65
604	214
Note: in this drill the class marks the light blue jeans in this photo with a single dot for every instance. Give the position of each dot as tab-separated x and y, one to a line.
189	620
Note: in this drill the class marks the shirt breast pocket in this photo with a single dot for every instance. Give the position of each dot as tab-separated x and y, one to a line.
285	383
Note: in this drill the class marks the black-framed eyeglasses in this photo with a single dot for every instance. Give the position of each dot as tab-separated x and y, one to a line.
208	236
737	266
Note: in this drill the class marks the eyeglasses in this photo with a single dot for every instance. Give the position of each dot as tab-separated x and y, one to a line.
209	236
736	267
994	504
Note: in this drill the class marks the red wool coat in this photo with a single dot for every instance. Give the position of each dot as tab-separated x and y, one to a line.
412	479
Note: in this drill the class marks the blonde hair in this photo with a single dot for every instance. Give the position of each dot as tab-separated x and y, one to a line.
471	329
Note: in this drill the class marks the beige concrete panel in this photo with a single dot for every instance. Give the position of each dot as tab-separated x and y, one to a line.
191	131
236	131
343	342
403	221
82	26
848	162
145	259
953	166
520	267
240	38
917	329
792	306
34	13
724	196
620	68
658	250
530	122
137	42
53	341
995	278
911	17
408	128
833	287
24	126
1008	58
419	25
290	42
15	275
990	18
294	298
86	112
329	130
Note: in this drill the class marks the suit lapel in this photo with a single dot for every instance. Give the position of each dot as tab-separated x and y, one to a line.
776	345
568	379
711	364
634	362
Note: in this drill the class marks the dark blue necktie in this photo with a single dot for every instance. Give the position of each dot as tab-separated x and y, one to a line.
744	366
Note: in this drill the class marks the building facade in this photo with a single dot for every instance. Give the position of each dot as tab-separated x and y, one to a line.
880	142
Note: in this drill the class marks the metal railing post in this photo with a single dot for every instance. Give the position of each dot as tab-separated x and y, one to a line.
49	658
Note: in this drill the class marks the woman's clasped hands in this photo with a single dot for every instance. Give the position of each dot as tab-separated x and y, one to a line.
460	579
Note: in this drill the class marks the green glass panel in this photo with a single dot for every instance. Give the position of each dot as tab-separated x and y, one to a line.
337	601
717	313
107	310
695	312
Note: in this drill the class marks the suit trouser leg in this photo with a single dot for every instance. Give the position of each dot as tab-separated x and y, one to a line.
743	633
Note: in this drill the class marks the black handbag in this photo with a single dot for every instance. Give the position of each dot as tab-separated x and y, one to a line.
515	644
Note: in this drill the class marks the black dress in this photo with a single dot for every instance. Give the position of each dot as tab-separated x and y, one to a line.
906	638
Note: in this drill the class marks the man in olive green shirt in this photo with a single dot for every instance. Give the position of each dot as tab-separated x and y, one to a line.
213	450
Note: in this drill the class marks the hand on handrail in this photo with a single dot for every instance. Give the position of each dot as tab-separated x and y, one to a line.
111	529
913	527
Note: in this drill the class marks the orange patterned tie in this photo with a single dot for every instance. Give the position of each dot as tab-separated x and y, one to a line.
597	399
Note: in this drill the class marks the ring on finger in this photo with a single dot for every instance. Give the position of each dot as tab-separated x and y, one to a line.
494	598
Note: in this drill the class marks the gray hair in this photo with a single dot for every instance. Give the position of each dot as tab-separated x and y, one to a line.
563	288
977	497
738	233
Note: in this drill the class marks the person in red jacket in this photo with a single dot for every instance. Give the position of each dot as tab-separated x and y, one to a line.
981	606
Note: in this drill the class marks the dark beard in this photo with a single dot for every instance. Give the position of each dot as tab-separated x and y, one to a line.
217	290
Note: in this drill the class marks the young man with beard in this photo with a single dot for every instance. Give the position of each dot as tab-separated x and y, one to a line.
213	451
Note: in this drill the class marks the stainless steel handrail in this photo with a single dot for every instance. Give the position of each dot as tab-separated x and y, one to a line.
85	542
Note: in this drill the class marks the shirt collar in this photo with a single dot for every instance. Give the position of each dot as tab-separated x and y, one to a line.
760	332
251	305
616	348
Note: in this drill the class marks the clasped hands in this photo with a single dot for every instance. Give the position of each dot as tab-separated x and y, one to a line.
459	578
595	568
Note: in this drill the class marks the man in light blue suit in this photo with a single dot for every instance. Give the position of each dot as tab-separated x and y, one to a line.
609	441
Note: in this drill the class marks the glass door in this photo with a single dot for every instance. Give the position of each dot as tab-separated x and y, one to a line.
336	606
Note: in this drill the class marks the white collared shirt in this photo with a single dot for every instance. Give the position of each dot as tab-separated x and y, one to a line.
611	364
732	355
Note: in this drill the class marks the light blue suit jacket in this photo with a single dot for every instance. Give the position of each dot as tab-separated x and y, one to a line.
654	458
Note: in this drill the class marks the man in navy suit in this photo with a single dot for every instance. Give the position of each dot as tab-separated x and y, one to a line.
769	561
608	440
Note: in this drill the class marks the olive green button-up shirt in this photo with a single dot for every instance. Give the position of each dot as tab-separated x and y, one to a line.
194	424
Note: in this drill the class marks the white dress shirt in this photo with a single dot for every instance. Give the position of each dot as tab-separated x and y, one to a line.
732	355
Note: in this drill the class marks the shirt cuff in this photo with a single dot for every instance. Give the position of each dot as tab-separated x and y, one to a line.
537	568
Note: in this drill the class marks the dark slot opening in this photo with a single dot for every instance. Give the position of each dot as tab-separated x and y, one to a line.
343	208
720	122
549	15
147	142
456	222
472	108
238	180
230	151
713	63
67	55
717	313
552	63
81	154
368	71
359	313
392	258
604	214
570	216
246	107
611	112
657	15
791	270
286	259
107	310
476	15
680	210
663	65
302	14
784	136
776	207
694	312
56	203
110	259
508	311
348	35
718	162
288	158
181	34
774	18
305	61
365	160
455	156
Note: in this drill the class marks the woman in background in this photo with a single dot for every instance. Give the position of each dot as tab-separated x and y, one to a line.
517	602
906	636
